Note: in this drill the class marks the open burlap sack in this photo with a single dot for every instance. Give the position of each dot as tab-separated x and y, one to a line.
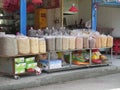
8	45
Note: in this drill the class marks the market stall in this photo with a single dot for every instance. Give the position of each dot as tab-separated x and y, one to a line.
53	49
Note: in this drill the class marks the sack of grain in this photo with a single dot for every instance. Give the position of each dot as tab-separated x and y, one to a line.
72	42
65	43
79	43
50	43
85	42
58	43
109	41
91	42
34	48
42	45
23	45
8	45
98	41
103	41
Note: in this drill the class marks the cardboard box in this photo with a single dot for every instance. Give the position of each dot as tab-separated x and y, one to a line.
54	64
30	59
20	65
19	71
31	65
19	60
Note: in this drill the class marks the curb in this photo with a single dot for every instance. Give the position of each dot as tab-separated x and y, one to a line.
58	77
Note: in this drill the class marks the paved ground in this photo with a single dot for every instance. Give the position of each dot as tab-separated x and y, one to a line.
8	83
109	82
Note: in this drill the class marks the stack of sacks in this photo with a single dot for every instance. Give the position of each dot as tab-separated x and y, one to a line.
23	45
34	48
42	45
8	45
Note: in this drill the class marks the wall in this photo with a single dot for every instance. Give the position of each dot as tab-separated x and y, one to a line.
52	15
109	17
1	3
66	6
85	10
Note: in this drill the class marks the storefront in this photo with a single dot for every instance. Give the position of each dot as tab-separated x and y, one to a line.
54	49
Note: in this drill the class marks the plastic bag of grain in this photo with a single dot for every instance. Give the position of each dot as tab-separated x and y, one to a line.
65	43
103	41
109	41
23	45
32	32
85	42
42	45
58	42
91	42
98	41
79	43
34	47
50	43
72	42
8	45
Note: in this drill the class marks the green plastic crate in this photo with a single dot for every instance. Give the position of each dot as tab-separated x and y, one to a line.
19	60
19	71
20	66
31	65
30	59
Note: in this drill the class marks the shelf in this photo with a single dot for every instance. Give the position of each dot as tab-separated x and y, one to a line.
72	67
5	56
69	13
75	49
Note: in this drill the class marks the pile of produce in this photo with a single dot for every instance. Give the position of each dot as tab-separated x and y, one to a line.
97	57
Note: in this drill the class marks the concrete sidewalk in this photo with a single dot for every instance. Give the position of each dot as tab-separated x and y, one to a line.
7	83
